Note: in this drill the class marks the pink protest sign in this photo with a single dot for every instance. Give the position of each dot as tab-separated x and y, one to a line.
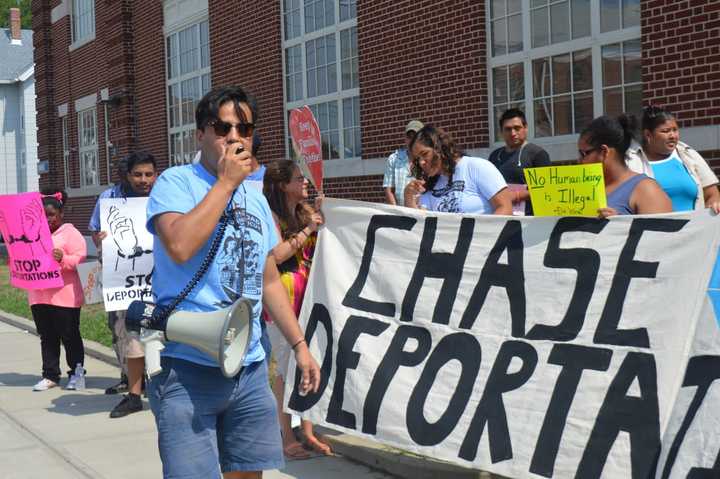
27	236
306	141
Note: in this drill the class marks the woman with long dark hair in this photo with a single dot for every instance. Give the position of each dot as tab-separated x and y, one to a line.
606	140
297	223
447	180
56	311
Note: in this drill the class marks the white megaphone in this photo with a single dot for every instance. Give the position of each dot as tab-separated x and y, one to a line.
224	334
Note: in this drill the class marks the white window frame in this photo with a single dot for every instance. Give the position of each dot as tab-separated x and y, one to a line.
66	149
187	131
91	148
82	36
339	95
565	145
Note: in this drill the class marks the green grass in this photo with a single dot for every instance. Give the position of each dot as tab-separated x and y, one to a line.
93	319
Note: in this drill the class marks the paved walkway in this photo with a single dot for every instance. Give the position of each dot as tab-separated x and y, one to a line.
67	434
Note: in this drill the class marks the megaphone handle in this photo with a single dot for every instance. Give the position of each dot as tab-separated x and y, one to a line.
152	357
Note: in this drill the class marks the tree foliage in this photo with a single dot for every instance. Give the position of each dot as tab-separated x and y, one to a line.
25	14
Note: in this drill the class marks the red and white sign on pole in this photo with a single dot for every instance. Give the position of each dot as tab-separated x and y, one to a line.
306	141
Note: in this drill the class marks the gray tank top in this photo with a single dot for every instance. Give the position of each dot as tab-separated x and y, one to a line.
620	198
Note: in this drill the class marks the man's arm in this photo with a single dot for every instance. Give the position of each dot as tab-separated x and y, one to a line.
389	196
389	180
277	304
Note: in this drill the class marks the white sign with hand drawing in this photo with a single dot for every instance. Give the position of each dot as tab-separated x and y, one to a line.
126	252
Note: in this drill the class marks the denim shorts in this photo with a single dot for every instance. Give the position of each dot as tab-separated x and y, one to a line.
208	423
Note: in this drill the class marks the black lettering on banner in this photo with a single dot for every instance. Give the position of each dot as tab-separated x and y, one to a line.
352	297
704	473
319	314
349	359
638	416
447	266
701	372
586	262
491	409
464	348
627	268
574	360
395	357
509	276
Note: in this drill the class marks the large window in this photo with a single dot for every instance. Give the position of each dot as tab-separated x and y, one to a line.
83	20
88	148
188	79
321	70
564	62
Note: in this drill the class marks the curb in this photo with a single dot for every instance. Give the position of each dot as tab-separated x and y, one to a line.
92	348
397	462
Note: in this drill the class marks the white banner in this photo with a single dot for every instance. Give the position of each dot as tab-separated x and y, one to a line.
126	252
528	347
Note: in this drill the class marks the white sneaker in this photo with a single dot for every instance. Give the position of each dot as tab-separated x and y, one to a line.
44	384
72	383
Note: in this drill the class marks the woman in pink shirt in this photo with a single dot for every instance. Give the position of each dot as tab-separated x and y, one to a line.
56	311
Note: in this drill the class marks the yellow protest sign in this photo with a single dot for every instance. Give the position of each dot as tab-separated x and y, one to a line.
573	190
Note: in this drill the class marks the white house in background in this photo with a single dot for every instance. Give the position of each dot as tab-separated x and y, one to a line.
18	134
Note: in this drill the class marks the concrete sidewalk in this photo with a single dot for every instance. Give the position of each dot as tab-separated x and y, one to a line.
69	433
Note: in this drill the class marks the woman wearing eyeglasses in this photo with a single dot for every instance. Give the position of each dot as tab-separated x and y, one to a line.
679	170
297	223
606	140
446	180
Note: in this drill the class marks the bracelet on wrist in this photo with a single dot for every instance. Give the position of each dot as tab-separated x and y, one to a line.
299	341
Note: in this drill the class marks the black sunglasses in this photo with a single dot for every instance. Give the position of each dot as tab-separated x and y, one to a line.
222	128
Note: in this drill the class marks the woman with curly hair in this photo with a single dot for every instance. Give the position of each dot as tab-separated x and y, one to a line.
447	180
297	223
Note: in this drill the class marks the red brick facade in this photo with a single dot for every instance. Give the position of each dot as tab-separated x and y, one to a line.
424	60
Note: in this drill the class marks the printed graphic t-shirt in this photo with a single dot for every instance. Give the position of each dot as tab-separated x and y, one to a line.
237	270
475	181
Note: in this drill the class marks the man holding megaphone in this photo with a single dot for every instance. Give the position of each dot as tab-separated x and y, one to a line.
213	236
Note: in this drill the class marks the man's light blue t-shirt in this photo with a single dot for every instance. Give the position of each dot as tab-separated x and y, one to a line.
238	266
475	181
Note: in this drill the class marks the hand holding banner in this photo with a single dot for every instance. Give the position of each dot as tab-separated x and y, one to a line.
573	190
307	143
25	228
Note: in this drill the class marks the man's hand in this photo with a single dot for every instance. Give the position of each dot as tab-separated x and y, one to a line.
235	165
123	232
309	369
607	212
57	254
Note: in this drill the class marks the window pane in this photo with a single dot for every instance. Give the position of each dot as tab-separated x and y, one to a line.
562	112
609	15
541	77
612	74
500	93
613	101
560	22
204	45
632	66
514	6
543	114
633	99
348	9
582	70
515	35
583	109
497	8
498	110
580	15
517	82
631	13
540	32
561	74
499	37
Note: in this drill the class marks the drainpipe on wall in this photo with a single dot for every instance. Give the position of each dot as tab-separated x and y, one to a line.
105	99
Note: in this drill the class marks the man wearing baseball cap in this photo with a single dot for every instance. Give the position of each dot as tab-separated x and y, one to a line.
397	168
